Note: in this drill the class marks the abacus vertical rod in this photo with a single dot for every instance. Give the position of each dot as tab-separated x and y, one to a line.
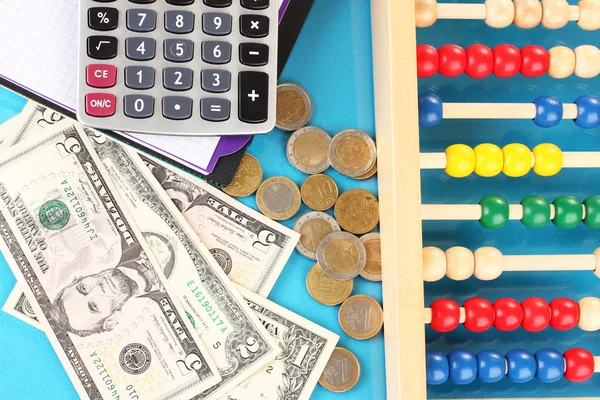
554	262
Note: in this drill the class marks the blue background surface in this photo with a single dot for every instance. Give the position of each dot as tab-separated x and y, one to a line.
332	61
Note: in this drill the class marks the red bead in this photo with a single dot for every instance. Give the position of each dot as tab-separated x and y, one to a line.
480	61
534	61
536	314
507	60
508	314
445	315
565	314
580	365
479	314
453	60
428	61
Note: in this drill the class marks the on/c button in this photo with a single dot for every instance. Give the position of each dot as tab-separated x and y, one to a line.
101	75
100	104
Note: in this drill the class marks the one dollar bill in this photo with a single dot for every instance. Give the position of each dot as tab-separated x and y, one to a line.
98	291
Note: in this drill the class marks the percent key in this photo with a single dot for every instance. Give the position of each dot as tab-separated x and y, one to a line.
103	18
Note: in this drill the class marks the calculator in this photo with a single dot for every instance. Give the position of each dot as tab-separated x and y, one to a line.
178	67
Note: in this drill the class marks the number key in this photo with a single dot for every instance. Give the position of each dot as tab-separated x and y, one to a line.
139	77
216	24
216	81
103	18
179	21
141	20
138	106
178	78
140	48
178	50
214	52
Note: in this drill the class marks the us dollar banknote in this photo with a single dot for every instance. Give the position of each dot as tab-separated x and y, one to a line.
97	290
251	248
18	306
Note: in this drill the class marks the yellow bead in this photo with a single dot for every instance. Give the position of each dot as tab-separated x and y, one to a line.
562	62
589	15
517	160
548	159
460	160
425	13
460	263
488	263
434	264
499	13
488	160
589	314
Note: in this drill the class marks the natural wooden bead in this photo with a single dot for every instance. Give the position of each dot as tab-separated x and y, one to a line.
587	61
499	13
597	270
555	13
488	263
589	314
528	13
434	264
589	15
562	62
460	263
425	13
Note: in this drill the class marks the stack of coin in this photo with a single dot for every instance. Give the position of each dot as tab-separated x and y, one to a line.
247	178
341	372
278	198
357	211
353	153
341	255
307	150
294	107
319	192
313	227
361	317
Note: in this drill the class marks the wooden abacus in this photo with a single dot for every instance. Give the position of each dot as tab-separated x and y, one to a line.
406	264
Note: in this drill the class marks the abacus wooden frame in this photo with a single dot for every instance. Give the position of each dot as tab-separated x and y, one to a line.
396	114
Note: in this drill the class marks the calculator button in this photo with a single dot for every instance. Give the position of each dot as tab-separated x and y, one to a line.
103	18
140	48
255	4
100	104
102	47
141	20
253	96
254	54
177	107
218	3
138	106
101	75
214	52
215	110
216	24
142	1
180	2
139	77
178	50
254	26
178	78
179	21
216	81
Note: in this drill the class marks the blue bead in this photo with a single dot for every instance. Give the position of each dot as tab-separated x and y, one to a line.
430	109
550	365
521	366
588	111
491	366
437	367
463	367
548	111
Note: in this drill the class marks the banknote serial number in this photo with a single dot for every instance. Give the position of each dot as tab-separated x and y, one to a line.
106	378
208	308
79	212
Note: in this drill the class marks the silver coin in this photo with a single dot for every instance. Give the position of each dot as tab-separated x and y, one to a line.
341	256
294	107
308	150
352	152
313	227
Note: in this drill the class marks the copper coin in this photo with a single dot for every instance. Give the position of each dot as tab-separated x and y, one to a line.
247	178
319	192
357	211
361	317
341	372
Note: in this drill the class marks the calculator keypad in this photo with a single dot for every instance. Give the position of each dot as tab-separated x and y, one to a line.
179	61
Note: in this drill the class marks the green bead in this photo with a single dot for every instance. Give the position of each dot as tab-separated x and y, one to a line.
568	212
592	211
494	212
536	211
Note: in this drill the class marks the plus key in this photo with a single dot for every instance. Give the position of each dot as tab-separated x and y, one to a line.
253	97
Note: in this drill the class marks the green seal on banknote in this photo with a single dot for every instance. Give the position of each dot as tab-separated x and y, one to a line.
54	215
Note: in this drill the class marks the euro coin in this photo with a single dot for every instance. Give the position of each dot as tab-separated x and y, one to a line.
368	174
325	290
372	270
319	192
361	317
247	178
357	211
294	107
341	372
352	153
307	150
278	198
341	255
313	227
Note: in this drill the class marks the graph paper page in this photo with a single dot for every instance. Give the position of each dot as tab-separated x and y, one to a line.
38	50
